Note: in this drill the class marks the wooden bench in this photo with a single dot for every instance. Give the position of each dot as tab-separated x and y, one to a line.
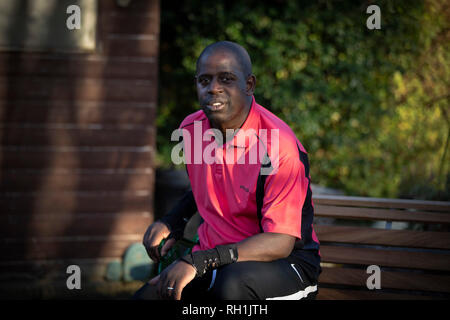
408	239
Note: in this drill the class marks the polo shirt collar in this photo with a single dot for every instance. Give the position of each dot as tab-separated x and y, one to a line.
239	139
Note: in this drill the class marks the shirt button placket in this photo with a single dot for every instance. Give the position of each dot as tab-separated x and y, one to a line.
218	163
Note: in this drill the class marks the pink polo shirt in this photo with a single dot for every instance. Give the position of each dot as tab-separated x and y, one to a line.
224	178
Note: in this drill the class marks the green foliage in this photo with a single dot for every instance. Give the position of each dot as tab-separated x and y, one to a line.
370	106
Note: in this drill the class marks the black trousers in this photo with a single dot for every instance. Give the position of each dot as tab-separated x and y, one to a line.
283	279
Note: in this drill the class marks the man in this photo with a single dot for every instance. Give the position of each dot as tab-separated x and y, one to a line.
257	240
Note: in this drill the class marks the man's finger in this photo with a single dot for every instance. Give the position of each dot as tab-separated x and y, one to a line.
149	251
151	255
177	292
166	247
170	291
154	253
147	247
161	284
154	281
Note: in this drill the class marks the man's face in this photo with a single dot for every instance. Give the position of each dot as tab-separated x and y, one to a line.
222	89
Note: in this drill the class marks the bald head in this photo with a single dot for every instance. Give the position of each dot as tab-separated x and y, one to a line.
239	53
225	84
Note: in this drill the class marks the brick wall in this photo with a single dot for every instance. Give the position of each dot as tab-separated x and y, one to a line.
77	142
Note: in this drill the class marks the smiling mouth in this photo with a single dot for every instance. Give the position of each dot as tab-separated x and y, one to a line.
216	106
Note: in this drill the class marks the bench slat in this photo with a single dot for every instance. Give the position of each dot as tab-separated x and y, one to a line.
401	238
350	247
387	258
340	294
389	279
380	214
443	206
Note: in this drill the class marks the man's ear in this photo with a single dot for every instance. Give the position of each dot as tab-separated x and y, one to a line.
250	85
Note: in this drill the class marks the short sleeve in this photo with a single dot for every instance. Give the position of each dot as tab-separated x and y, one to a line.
284	196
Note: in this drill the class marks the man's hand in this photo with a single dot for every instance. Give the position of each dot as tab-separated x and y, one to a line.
175	276
155	233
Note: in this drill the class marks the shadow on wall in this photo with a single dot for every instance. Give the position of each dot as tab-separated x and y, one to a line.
75	133
19	179
170	185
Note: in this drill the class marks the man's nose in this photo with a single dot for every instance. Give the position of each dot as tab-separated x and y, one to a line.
214	87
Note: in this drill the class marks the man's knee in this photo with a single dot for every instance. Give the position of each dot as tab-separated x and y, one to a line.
231	285
146	292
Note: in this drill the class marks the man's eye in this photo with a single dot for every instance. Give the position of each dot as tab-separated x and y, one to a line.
203	81
225	79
